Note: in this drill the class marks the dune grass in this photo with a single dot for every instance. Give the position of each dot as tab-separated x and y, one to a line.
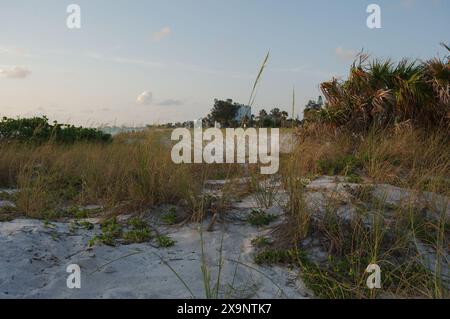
127	174
410	158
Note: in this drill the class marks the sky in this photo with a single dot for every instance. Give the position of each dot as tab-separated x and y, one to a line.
146	62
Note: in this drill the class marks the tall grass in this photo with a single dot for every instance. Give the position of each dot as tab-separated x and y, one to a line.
408	157
128	174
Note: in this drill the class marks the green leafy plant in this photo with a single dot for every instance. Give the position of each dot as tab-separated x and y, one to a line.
261	242
164	241
139	231
39	130
259	217
169	218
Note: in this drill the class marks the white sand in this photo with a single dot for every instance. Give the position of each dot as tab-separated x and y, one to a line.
34	260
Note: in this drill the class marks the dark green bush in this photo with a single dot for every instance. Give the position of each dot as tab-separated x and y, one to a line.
39	130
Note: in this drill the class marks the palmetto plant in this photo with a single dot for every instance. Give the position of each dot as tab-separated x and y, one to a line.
383	92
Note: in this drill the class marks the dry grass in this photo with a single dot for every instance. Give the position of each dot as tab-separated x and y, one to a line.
133	172
403	156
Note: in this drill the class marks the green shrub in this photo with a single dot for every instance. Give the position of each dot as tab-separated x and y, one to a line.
38	130
259	217
138	232
164	241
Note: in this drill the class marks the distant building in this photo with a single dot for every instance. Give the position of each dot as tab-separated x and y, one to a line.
242	112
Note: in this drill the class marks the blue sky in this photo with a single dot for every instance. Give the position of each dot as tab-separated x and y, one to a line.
139	62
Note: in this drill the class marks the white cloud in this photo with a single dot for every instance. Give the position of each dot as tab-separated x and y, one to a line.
345	54
14	72
145	98
161	34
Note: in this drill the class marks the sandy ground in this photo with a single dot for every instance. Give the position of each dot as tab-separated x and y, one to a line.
34	257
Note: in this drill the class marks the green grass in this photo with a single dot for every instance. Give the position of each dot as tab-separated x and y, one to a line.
111	231
138	231
169	218
276	256
346	165
260	242
135	231
259	218
164	241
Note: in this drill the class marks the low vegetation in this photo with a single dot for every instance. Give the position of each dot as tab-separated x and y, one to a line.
386	124
383	93
38	130
118	176
259	217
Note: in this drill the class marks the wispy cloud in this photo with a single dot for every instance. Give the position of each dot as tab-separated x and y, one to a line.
345	54
161	34
14	72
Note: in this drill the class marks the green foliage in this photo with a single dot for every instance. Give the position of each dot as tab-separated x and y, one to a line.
383	93
169	218
354	178
259	217
271	257
39	130
261	242
137	235
164	241
346	165
224	112
111	231
81	224
138	232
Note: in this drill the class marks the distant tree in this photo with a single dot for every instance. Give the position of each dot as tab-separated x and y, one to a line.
224	112
275	112
276	117
261	116
268	122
